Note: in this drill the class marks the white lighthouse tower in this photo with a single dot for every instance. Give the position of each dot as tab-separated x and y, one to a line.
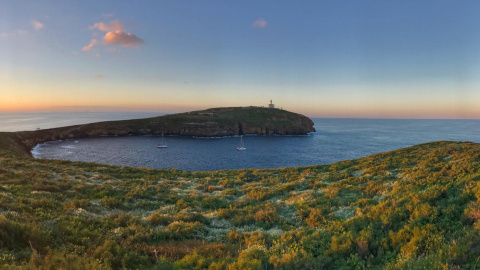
271	105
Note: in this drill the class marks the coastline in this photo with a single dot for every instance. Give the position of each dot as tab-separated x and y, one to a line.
215	122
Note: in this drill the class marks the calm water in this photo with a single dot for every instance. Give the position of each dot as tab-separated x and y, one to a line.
44	120
335	140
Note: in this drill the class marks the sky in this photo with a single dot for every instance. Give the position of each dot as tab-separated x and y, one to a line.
380	59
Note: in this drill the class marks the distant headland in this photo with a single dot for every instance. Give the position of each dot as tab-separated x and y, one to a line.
214	122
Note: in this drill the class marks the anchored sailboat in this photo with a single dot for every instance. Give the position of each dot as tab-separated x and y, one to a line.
162	144
241	147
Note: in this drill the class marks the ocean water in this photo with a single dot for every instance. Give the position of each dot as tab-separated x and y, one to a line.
44	120
335	140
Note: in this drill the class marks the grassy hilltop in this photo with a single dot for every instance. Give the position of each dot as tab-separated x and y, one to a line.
413	208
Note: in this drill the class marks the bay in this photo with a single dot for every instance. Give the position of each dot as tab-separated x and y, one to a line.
335	140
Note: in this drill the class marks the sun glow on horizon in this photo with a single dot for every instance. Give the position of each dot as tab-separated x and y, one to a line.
331	65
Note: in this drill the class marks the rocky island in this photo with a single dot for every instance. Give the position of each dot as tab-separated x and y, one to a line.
215	122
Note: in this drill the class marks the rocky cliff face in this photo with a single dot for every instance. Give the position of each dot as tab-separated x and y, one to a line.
215	122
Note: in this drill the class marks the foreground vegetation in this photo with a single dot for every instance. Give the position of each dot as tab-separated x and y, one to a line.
412	208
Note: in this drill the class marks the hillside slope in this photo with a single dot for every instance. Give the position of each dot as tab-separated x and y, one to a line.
212	122
414	208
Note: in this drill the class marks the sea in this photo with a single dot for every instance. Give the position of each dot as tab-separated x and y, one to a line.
334	140
44	120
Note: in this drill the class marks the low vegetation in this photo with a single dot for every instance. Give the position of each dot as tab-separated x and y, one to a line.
414	208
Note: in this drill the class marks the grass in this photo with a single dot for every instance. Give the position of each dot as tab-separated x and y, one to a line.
401	209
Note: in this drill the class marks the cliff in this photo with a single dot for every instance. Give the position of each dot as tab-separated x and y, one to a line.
214	122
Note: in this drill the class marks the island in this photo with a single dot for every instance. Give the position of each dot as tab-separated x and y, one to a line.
215	122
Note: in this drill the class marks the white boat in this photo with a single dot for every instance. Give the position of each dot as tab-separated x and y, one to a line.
241	147
163	144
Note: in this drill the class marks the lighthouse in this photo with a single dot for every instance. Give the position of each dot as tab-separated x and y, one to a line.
271	105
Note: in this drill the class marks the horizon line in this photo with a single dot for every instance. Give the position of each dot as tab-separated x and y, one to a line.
107	109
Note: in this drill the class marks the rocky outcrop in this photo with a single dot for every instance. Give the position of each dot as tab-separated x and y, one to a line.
214	122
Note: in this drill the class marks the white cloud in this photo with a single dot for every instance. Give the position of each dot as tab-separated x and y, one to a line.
37	25
18	32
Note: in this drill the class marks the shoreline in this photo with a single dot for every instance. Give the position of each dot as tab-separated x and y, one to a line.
215	122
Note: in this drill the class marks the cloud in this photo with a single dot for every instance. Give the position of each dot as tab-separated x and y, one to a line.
90	46
122	39
18	32
113	27
114	36
260	23
99	76
37	25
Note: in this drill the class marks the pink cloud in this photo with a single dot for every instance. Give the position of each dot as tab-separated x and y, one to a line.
114	35
90	46
112	27
260	23
37	25
122	39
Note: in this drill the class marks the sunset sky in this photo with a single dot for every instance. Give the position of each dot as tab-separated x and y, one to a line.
400	59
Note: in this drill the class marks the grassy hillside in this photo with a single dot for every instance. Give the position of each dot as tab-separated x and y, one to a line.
249	115
414	208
